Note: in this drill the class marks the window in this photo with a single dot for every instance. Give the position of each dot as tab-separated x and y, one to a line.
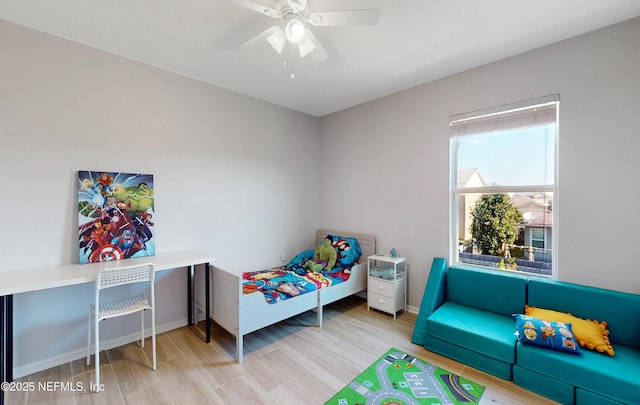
537	238
503	186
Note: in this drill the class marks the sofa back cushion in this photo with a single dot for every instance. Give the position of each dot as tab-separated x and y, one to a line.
621	311
502	292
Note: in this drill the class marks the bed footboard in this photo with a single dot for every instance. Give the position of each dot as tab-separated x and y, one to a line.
227	290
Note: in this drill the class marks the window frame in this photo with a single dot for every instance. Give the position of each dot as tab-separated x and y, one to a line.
455	192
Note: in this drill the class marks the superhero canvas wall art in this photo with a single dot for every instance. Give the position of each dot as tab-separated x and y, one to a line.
115	216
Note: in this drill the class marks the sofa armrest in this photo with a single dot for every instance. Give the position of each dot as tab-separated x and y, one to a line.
434	296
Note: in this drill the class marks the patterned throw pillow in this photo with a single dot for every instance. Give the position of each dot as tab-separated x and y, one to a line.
592	335
348	250
553	335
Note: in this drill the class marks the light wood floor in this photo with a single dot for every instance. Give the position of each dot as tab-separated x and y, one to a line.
287	363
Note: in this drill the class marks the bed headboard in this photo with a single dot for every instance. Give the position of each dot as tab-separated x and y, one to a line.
367	242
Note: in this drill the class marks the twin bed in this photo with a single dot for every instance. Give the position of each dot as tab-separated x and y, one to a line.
241	313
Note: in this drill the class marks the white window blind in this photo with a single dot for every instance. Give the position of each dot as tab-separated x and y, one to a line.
526	114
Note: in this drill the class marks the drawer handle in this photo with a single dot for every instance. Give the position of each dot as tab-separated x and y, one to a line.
380	302
380	287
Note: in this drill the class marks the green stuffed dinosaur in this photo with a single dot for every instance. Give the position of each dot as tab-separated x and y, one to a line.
324	258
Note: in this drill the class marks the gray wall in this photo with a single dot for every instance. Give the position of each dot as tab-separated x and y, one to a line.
233	176
394	157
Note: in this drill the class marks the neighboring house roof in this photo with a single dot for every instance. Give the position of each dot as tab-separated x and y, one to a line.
524	201
466	175
521	200
525	204
545	220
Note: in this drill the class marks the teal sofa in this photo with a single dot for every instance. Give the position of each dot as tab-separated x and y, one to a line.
466	315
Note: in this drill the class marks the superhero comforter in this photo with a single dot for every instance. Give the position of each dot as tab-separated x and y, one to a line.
281	283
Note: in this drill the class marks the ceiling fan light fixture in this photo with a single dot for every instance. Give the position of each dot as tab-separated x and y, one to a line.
295	31
277	40
306	46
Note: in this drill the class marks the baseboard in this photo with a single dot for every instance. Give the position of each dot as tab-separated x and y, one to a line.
31	368
412	309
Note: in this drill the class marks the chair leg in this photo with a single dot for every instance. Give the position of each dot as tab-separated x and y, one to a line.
142	333
153	334
97	338
89	339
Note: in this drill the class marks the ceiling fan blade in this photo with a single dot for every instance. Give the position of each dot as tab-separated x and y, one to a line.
274	35
261	6
344	17
318	53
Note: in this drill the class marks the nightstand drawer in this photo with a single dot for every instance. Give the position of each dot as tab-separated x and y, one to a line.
381	287
381	302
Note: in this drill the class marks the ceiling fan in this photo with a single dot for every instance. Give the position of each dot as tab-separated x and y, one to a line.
296	16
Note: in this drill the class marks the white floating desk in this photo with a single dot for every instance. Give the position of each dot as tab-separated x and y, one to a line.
42	278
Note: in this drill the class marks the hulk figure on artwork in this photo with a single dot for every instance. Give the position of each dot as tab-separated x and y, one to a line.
137	198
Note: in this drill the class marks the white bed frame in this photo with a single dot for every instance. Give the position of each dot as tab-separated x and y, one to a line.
241	314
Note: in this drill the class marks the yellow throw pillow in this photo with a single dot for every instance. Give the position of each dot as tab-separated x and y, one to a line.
590	334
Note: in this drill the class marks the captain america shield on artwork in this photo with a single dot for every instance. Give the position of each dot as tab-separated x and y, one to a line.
115	216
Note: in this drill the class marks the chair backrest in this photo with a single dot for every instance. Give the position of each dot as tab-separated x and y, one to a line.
116	276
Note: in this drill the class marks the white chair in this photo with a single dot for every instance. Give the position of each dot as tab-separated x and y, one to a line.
118	276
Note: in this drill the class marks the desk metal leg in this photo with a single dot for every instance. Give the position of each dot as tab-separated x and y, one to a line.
6	341
190	294
207	278
3	349
192	313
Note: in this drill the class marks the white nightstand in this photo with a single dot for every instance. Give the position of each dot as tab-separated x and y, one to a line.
387	285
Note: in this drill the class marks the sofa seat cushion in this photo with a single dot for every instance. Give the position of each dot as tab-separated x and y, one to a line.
482	331
616	377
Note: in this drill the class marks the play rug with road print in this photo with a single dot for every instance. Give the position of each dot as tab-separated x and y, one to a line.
399	378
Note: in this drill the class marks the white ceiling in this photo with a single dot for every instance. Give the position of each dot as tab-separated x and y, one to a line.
415	41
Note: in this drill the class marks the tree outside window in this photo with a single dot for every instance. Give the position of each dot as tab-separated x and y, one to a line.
495	224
